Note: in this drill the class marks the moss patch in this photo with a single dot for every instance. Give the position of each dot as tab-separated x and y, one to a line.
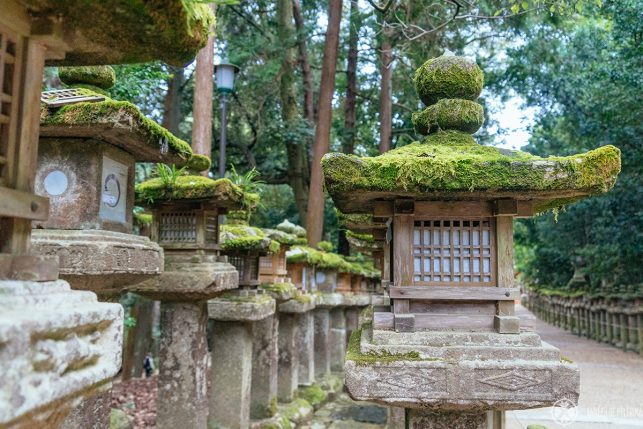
189	188
114	112
314	395
353	353
143	218
303	255
325	246
245	299
198	163
247	238
279	291
281	236
100	76
451	161
291	228
449	114
448	77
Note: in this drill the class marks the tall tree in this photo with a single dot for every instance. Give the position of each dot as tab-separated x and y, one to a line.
172	104
296	149
202	100
386	93
315	222
307	75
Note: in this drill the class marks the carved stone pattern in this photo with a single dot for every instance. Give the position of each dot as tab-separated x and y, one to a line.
512	380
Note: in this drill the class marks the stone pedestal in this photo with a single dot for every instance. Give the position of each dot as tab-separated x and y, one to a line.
231	375
322	342
182	381
59	348
263	393
337	339
425	419
290	313
232	356
93	412
306	348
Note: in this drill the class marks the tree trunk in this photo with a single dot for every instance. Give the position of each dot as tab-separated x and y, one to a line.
202	104
309	109
172	103
139	338
315	223
386	102
297	171
350	103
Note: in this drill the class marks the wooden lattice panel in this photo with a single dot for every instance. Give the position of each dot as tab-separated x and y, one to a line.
211	228
454	252
9	85
61	97
178	227
265	263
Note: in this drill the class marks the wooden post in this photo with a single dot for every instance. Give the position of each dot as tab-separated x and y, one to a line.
505	320
402	267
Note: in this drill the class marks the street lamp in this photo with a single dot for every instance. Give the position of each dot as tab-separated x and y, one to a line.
224	74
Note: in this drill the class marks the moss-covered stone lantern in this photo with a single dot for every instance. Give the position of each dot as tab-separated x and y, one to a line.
452	340
89	144
272	268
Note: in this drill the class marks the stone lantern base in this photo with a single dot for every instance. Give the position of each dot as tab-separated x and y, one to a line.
458	371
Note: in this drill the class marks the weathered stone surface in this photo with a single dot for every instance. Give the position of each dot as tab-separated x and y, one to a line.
287	376
280	291
104	262
337	339
182	394
352	320
322	342
183	281
328	300
56	345
460	377
306	348
356	300
241	308
263	392
425	419
296	306
396	418
231	375
93	412
28	267
118	419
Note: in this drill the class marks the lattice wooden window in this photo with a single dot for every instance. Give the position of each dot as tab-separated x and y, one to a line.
9	83
239	262
454	252
61	97
265	262
248	268
211	227
178	227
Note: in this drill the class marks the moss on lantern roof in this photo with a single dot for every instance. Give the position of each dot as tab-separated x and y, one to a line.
133	31
246	238
198	163
291	228
190	188
451	165
117	122
282	237
325	246
303	255
102	77
449	114
143	218
448	76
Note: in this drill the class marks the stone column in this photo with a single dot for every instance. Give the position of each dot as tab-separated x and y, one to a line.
306	347
287	380
396	418
182	392
231	375
263	393
232	340
337	339
352	321
322	342
424	419
640	333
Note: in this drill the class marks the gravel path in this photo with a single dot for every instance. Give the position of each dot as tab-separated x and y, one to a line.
611	383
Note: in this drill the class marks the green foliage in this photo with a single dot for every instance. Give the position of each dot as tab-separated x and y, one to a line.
583	75
168	174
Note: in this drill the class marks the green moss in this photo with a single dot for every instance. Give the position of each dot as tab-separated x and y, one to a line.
333	261
91	88
448	77
304	298
247	238
367	238
189	188
314	395
452	162
279	290
565	359
325	246
133	31
291	228
100	76
281	237
245	299
304	255
352	219
449	114
112	112
198	163
143	218
354	353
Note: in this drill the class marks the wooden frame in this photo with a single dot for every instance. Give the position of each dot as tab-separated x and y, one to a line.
272	268
247	264
186	226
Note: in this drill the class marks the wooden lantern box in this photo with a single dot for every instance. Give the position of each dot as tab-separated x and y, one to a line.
247	264
344	281
326	279
186	225
302	275
272	268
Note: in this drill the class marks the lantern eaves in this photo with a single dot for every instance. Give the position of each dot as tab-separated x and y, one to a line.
220	192
451	166
117	32
119	123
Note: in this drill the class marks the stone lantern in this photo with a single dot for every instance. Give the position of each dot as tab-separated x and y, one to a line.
452	350
272	268
89	145
300	264
185	211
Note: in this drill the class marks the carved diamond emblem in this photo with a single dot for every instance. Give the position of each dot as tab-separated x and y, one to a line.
406	379
511	380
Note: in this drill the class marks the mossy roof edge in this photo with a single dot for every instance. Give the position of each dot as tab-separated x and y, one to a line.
192	188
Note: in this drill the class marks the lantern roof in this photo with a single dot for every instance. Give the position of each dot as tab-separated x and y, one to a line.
291	228
283	237
363	243
119	123
359	222
449	165
116	32
189	188
243	237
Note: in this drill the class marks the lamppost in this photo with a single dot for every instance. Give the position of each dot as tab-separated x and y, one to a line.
224	74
